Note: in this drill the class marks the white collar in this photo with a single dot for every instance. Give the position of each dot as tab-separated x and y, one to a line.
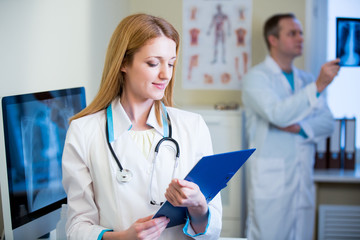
122	122
270	62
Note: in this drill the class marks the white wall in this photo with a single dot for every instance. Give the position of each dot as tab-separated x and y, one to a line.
315	38
54	44
343	93
343	97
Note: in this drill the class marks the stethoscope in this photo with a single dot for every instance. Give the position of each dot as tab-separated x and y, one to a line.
125	175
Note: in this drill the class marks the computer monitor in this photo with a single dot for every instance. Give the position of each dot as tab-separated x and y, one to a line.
34	127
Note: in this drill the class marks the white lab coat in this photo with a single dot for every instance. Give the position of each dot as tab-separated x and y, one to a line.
280	181
97	201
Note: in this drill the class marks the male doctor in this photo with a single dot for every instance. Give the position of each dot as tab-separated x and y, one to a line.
286	114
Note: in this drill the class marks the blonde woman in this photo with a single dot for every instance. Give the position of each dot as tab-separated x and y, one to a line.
114	180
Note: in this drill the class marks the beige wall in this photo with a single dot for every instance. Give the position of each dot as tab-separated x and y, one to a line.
262	9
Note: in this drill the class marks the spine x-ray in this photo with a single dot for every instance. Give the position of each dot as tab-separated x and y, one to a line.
348	41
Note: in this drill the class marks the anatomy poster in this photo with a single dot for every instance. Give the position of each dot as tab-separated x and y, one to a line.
216	43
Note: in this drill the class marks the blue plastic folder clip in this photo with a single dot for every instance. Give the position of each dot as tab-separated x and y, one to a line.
211	174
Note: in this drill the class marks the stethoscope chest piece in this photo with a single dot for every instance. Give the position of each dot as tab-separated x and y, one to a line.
124	176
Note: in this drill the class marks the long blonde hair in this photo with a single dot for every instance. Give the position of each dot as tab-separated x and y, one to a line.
130	35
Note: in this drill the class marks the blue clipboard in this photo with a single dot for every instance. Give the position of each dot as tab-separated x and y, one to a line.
211	174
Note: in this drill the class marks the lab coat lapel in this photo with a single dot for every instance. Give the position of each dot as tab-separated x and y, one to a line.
278	74
121	121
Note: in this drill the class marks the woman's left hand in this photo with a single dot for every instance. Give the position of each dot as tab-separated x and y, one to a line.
182	193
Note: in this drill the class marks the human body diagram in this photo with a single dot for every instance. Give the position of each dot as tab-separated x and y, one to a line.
217	49
218	22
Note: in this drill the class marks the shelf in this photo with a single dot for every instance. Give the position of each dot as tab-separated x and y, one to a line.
337	175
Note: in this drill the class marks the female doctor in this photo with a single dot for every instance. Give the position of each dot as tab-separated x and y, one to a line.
113	178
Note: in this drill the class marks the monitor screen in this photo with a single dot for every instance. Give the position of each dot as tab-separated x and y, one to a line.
348	41
35	127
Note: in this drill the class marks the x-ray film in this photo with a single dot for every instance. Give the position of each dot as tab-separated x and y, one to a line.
348	41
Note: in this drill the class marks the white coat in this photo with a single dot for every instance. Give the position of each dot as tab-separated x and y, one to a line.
281	191
97	201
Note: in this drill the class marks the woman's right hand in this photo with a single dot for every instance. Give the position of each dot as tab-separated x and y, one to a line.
143	229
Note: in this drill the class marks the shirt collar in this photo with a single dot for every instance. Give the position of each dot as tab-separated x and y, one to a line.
151	121
269	61
122	123
274	67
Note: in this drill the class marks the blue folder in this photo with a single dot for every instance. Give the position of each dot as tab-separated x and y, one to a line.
211	174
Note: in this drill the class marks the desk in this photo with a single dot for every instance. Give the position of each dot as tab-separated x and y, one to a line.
337	175
336	187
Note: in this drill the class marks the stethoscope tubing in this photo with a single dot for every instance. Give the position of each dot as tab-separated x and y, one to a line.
166	121
111	148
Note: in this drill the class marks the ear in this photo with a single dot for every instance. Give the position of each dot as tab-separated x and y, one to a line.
123	69
272	40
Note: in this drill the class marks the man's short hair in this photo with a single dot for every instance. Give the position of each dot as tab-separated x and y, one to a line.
271	26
